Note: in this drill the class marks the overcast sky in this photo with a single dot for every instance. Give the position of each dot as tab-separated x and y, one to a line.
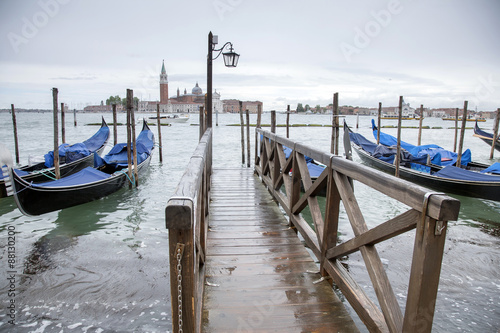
433	52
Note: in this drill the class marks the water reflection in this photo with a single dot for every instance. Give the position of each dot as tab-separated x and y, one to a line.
70	224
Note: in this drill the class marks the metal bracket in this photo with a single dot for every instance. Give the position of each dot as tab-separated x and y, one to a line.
440	225
180	247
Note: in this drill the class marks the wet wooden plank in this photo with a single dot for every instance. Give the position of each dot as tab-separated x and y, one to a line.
258	268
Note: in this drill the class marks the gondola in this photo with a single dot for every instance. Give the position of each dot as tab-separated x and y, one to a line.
73	158
448	179
108	176
486	137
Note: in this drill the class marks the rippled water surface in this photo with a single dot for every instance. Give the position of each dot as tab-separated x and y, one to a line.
103	266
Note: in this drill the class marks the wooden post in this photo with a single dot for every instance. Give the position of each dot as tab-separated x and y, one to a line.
248	138
334	148
288	121
273	121
115	124
495	133
74	116
56	134
202	122
398	153
259	112
14	123
420	125
424	276
160	144
63	125
181	245
134	141
456	131
379	121
216	115
357	120
129	136
462	134
242	124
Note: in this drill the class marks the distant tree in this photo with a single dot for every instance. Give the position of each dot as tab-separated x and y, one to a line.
114	100
318	108
300	108
136	102
307	107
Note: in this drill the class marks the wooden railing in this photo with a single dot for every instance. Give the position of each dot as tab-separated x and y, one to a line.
428	213
186	215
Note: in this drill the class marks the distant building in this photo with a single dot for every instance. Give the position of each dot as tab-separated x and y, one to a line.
102	108
233	106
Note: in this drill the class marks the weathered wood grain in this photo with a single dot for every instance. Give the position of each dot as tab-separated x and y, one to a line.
260	267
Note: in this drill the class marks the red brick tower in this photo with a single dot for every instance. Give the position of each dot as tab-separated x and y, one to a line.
163	85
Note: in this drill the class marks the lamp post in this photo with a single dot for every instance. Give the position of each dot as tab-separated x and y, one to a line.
230	60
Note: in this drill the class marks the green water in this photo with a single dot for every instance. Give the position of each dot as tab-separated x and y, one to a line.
103	266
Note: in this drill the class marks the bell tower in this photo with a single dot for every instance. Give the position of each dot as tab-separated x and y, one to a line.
163	85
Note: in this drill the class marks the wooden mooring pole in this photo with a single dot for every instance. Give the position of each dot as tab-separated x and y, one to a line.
134	141
462	134
288	121
456	131
248	137
259	115
495	133
202	121
420	125
63	125
379	121
242	125
398	154
334	148
129	136
273	121
56	133
115	124
14	123
74	117
160	144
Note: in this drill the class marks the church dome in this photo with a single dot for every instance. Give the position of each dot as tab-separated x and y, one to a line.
197	90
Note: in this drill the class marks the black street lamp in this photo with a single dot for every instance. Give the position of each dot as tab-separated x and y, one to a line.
230	60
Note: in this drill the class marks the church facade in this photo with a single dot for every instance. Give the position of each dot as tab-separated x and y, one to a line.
185	103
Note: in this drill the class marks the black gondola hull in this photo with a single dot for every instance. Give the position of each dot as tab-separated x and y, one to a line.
483	190
486	137
44	174
40	200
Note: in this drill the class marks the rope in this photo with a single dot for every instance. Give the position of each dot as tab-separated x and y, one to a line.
126	174
43	172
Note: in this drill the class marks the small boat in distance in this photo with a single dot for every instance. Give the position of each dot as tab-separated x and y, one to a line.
169	119
72	158
486	137
108	176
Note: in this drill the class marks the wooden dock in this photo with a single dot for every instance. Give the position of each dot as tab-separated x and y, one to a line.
237	266
260	276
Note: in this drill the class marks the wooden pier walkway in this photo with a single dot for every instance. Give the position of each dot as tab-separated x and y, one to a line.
257	268
237	266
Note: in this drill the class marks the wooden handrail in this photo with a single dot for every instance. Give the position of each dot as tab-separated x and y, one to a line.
185	217
428	212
